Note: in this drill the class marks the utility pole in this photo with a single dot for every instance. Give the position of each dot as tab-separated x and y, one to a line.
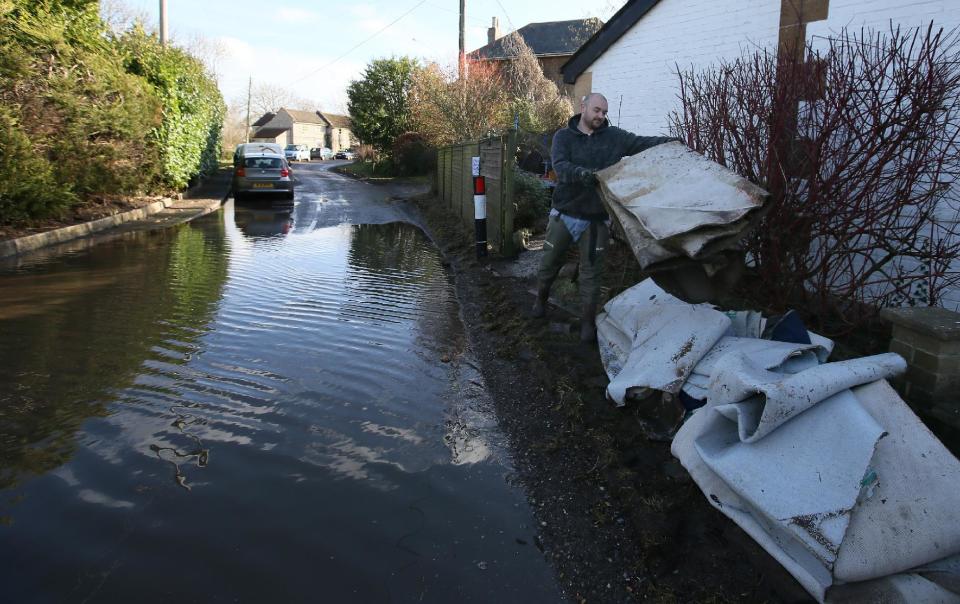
462	64
163	22
247	131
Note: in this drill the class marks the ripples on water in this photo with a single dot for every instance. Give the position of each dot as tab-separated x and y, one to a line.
235	409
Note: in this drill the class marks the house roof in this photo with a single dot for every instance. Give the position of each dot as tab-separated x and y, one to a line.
551	38
269	132
308	117
337	121
266	117
619	24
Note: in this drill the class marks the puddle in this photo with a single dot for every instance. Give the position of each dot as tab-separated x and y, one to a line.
261	405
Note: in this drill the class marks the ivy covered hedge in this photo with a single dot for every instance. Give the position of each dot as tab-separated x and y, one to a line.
85	112
188	137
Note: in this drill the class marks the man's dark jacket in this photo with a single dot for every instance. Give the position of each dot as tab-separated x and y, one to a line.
576	155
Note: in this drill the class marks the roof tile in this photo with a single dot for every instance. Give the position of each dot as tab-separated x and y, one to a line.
544	39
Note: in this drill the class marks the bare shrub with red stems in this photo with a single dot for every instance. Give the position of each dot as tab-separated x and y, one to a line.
857	144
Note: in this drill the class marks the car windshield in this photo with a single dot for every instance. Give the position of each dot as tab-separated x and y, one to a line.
263	162
291	147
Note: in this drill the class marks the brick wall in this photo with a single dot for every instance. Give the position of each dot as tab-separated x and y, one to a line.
551	70
929	340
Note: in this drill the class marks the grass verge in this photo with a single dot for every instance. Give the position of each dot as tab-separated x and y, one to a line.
382	171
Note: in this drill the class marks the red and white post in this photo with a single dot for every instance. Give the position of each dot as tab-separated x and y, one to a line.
479	208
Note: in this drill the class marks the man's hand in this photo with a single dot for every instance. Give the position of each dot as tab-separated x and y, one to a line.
587	177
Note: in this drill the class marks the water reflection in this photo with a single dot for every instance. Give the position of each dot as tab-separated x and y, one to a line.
254	420
264	219
78	328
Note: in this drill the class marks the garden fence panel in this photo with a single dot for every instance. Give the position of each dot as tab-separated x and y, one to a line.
454	180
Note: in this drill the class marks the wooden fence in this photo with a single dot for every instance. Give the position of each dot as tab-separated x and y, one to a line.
454	185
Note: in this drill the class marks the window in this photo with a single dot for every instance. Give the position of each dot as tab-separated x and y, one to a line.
264	163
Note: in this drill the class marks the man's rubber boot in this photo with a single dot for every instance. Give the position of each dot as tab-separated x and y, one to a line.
539	309
588	324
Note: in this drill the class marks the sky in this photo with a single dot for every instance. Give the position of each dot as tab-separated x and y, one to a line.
314	49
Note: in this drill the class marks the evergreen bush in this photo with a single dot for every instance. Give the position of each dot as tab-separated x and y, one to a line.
412	155
27	183
530	197
87	113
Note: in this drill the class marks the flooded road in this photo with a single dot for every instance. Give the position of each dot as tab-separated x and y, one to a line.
262	405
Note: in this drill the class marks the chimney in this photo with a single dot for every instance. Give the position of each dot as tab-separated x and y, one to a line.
493	33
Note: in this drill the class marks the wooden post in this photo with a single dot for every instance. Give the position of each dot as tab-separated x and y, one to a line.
462	62
249	90
507	209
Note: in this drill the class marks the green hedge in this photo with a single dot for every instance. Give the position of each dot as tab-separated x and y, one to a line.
530	197
86	113
193	110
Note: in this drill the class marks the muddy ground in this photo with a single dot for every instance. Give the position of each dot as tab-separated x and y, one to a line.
619	517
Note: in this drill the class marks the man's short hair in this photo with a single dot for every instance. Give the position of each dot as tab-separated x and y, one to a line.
587	96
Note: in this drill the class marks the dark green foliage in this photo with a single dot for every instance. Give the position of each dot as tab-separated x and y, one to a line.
193	110
378	102
531	198
88	114
412	155
27	184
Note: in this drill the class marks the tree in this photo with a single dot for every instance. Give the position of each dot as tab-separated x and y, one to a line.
234	126
447	109
88	112
378	103
537	102
270	98
119	17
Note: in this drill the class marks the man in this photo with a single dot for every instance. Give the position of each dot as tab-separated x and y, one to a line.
588	143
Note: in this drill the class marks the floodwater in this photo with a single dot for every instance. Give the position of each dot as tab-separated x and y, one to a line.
262	405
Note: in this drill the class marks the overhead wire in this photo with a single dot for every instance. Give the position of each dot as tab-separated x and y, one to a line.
359	44
507	15
456	12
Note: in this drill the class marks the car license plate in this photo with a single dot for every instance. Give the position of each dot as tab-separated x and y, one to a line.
262	185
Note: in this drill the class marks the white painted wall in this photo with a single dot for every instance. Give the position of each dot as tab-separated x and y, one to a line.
637	73
640	67
877	14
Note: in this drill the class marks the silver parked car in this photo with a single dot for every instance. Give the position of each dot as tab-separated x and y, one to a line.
244	148
296	153
321	153
265	172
